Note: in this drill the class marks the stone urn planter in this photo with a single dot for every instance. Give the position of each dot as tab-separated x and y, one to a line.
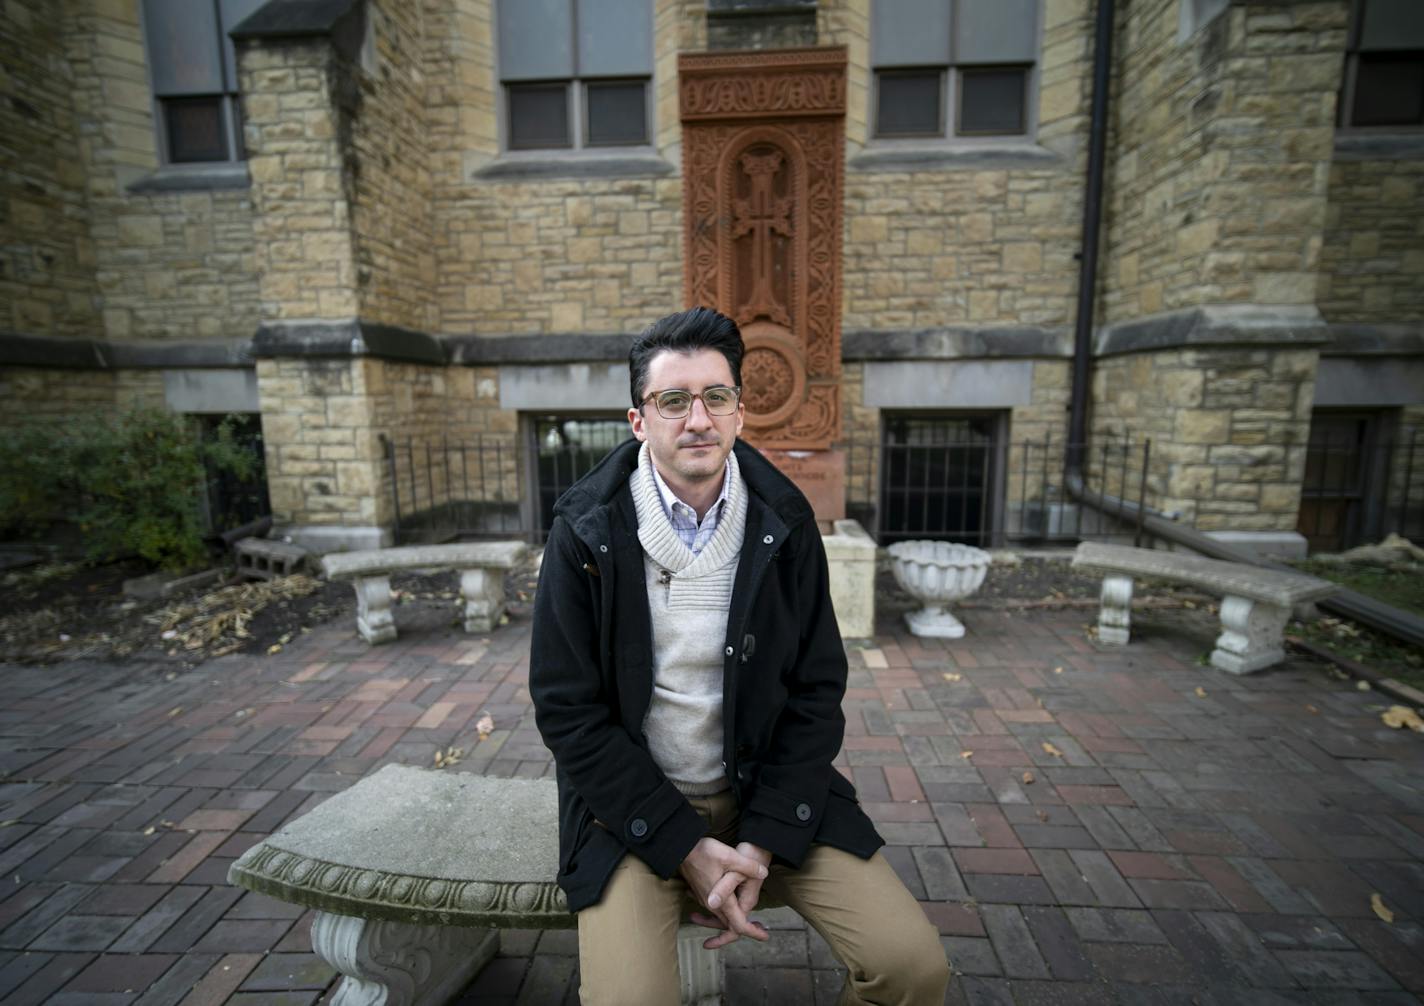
936	573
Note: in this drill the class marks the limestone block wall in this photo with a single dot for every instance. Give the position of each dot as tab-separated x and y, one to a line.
47	283
391	190
560	256
928	248
1372	258
48	394
323	421
167	265
1228	427
1217	186
305	249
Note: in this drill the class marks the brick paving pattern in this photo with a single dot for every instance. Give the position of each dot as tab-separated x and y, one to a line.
1082	824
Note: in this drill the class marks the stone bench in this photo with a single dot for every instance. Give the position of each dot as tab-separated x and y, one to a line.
1256	603
413	872
481	566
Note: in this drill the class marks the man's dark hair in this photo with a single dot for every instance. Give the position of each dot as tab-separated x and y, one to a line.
685	332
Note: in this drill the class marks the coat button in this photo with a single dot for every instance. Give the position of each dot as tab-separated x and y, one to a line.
729	651
639	827
603	548
768	540
803	812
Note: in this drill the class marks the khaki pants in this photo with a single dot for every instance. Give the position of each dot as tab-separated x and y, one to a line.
628	941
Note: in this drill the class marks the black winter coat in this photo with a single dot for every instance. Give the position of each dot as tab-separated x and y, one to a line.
784	675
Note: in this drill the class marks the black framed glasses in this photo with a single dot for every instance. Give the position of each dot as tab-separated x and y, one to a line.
718	400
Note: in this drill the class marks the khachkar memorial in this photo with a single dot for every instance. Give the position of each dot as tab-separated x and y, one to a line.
763	166
763	163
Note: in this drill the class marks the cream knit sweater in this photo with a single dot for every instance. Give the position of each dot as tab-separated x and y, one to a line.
688	598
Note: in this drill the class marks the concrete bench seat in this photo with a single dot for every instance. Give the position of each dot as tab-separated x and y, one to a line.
413	872
1256	603
481	566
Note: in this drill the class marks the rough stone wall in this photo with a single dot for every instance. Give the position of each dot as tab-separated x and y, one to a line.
1372	260
168	265
47	283
560	256
1228	427
323	422
1221	148
391	197
47	394
966	246
305	247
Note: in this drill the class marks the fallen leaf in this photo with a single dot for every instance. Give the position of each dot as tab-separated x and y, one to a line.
175	711
274	648
1312	710
1188	604
1052	750
1363	686
1042	815
485	725
1028	778
1058	670
1200	692
503	619
1377	903
951	676
966	754
1402	716
9	823
149	830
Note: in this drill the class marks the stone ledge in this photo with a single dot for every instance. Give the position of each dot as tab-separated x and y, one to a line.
556	348
194	178
574	164
1349	338
957	343
103	354
1379	146
945	155
349	337
1216	325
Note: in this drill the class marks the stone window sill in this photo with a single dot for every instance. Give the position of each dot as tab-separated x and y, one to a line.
1371	146
638	162
944	155
195	177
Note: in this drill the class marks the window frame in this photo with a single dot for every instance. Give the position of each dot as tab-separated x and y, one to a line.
1345	99
576	96
230	102
951	97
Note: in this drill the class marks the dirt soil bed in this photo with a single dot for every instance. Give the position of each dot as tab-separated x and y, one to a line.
64	611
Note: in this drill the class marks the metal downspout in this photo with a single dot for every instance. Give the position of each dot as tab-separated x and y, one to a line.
1349	603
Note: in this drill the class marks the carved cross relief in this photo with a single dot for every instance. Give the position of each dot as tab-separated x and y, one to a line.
763	151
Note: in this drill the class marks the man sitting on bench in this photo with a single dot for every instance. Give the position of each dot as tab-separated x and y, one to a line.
687	673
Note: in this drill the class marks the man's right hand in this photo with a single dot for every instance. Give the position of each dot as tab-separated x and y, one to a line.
706	866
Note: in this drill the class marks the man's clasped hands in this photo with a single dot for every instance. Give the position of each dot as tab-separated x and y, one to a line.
727	882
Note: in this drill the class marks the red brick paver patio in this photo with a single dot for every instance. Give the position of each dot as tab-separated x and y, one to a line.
1083	825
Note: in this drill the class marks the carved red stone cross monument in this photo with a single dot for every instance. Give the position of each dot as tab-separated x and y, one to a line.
763	163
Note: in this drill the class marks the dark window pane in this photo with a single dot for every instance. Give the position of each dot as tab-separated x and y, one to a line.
1389	90
909	104
991	101
195	129
538	116
617	113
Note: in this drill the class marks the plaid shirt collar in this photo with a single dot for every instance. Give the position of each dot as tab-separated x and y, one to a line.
684	518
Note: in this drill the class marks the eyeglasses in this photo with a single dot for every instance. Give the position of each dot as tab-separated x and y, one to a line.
675	403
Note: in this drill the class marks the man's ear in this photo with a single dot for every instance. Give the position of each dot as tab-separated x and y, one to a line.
741	416
635	420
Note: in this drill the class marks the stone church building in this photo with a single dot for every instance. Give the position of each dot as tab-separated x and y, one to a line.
411	239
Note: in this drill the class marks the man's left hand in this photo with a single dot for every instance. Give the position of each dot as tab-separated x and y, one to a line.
747	891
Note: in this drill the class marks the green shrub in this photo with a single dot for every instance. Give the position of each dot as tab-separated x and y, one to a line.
131	486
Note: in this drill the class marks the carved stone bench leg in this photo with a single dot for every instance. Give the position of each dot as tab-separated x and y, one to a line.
373	609
397	964
1252	635
1115	610
482	590
701	969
